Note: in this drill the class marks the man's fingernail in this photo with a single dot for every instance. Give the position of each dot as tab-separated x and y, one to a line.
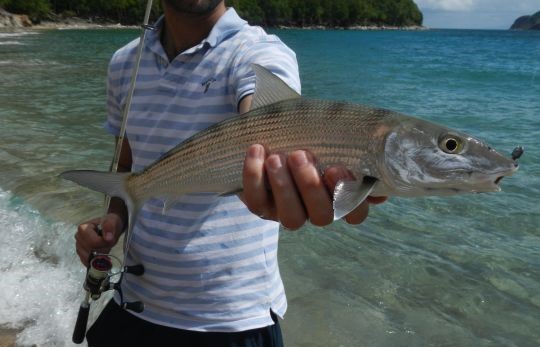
255	152
274	162
299	159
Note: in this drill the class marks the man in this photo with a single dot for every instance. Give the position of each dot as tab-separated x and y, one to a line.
211	273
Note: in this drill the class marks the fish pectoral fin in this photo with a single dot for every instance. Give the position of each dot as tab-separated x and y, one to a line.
349	194
269	88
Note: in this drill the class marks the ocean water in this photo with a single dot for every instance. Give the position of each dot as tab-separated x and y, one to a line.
456	271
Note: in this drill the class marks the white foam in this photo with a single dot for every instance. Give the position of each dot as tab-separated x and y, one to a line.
17	34
13	43
40	276
30	62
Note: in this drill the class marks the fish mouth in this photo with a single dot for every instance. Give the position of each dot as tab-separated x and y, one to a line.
492	183
478	182
505	173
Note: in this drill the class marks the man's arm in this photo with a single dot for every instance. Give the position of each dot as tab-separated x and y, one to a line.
298	192
125	161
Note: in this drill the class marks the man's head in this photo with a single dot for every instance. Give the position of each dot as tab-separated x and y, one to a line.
193	6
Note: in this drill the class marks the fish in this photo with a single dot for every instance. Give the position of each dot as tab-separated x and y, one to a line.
390	153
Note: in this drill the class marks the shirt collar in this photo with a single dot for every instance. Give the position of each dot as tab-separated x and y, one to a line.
228	24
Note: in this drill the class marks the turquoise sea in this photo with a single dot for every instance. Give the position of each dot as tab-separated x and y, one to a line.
455	271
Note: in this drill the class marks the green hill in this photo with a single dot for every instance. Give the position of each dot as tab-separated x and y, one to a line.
328	13
342	13
527	22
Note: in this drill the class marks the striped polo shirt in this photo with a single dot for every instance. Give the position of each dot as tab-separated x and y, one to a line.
210	265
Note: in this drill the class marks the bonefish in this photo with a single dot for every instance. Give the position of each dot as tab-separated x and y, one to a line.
394	154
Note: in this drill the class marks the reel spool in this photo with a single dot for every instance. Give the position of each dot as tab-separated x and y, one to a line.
98	275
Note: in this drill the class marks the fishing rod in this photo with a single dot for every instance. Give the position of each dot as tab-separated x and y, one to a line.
101	272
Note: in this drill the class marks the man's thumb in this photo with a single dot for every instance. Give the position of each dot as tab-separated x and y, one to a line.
108	235
109	228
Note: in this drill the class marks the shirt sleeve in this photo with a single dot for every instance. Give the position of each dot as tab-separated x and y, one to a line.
274	55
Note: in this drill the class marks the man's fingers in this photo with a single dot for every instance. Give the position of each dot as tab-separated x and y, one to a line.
375	200
255	193
297	190
359	214
290	209
111	226
88	240
84	239
335	174
84	255
311	187
87	236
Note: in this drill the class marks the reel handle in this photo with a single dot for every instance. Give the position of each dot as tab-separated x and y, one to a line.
80	325
137	270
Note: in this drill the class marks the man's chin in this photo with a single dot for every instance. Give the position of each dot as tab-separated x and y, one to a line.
198	7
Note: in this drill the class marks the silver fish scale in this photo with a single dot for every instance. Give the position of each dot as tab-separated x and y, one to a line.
212	160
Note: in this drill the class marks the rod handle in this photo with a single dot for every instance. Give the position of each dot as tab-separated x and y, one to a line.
80	325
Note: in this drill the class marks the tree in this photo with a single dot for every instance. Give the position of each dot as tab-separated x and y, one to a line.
248	9
35	9
341	13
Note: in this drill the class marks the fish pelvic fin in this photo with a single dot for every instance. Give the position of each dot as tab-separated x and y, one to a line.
348	195
269	88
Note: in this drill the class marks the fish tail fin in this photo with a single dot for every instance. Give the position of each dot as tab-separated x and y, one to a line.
110	183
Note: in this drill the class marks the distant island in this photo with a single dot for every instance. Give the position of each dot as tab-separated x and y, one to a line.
527	22
346	14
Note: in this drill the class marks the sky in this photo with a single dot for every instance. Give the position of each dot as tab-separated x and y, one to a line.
475	14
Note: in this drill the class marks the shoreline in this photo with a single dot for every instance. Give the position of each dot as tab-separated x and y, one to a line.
82	25
9	21
354	27
79	23
77	26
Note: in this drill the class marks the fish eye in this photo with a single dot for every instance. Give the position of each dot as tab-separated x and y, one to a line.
451	144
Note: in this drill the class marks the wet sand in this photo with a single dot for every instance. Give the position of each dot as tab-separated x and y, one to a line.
7	337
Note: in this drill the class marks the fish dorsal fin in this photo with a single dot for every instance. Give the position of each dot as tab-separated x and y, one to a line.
349	194
269	88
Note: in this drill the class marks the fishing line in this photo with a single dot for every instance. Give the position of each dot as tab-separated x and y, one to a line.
100	270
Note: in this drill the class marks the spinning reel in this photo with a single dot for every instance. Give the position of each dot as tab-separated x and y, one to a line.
100	272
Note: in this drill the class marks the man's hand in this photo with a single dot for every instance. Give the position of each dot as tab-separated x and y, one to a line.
88	239
297	190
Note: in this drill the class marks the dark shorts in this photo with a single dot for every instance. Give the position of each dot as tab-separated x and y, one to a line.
117	327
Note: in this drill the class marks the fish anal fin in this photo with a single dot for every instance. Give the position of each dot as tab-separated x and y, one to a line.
269	88
348	195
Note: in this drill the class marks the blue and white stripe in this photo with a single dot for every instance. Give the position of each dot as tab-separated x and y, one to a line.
210	264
